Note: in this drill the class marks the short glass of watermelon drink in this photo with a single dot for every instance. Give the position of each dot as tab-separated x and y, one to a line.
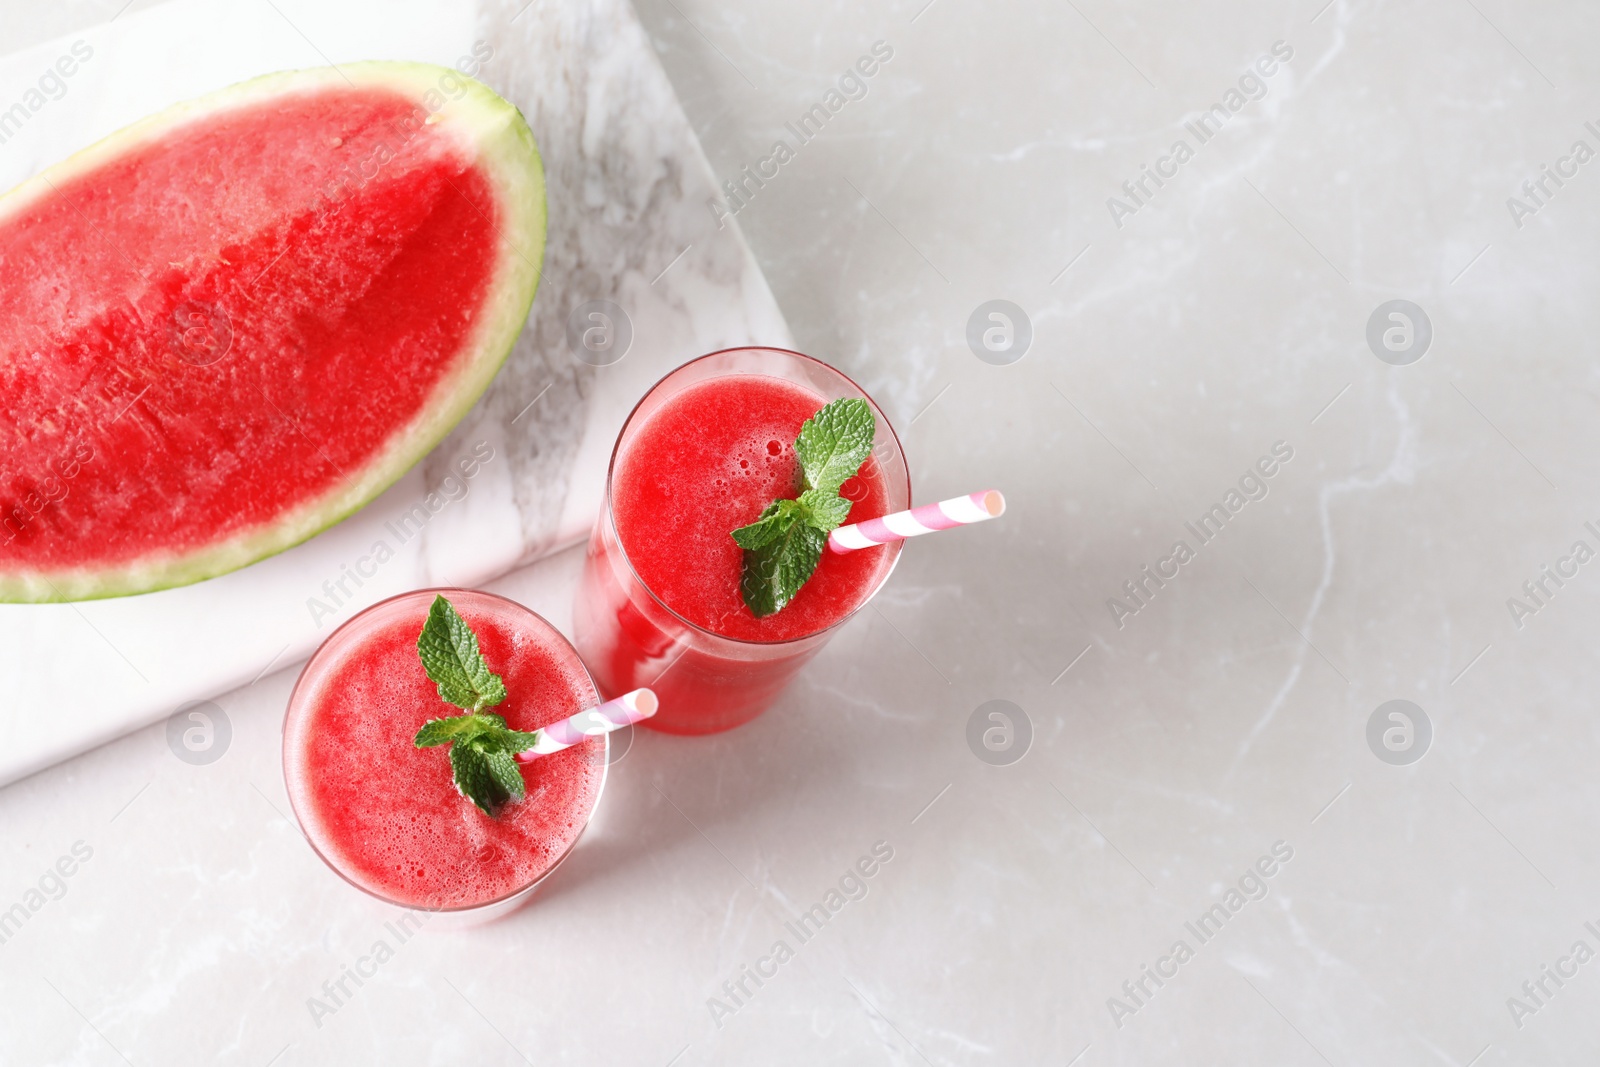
702	454
386	815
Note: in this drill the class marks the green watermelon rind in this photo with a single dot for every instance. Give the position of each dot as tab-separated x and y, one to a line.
487	127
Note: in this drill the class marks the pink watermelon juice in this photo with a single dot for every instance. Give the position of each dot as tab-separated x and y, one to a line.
386	815
702	455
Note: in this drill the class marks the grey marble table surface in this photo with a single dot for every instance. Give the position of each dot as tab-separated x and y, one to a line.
1293	392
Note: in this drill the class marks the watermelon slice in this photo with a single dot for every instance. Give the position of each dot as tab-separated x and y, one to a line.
234	323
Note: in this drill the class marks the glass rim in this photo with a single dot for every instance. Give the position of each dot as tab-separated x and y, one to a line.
462	909
611	469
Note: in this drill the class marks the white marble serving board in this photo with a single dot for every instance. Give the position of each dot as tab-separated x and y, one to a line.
628	186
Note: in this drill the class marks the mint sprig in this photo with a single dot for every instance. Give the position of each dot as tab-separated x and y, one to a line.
482	746
783	546
449	651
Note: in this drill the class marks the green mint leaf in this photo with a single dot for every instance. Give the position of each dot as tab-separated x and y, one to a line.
775	519
449	651
783	546
472	777
834	442
825	511
774	573
507	776
497	734
443	731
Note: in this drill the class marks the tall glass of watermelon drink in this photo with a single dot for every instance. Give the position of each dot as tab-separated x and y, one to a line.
659	603
386	815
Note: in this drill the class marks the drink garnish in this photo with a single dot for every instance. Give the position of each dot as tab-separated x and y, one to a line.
782	547
482	747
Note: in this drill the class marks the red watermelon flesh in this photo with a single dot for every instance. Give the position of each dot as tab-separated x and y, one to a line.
229	326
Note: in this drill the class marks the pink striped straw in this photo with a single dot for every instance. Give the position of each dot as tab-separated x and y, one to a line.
627	709
959	511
